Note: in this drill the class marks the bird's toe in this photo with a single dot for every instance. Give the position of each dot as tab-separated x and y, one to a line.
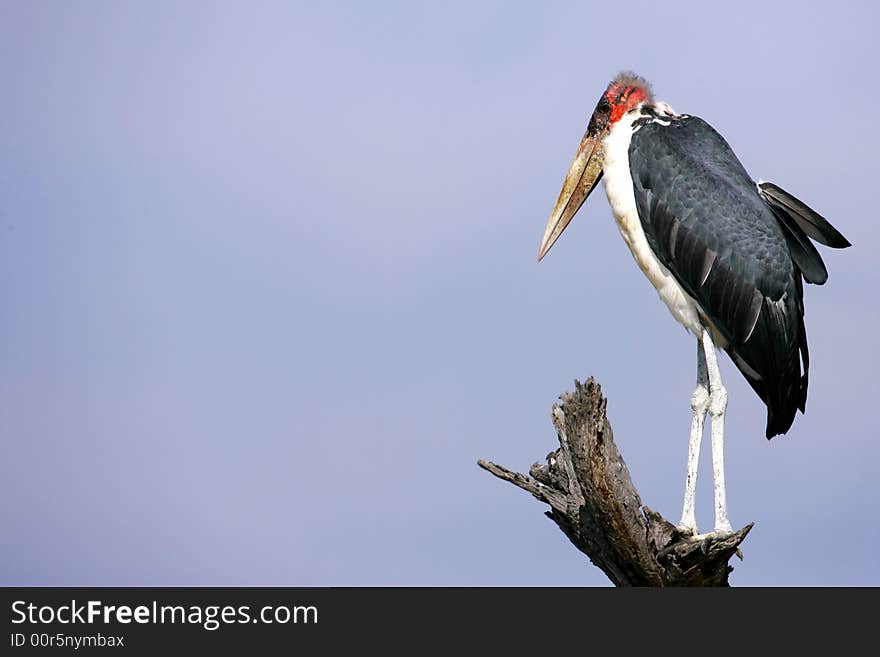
685	529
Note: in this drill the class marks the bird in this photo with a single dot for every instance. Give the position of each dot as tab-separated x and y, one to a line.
727	255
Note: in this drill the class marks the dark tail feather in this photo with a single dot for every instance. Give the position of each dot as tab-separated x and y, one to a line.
799	213
803	253
771	360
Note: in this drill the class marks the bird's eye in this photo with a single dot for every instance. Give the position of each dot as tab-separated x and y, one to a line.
604	106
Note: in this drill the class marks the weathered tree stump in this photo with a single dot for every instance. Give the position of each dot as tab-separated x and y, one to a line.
594	502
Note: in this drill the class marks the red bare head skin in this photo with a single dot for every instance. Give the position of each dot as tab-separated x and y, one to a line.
624	93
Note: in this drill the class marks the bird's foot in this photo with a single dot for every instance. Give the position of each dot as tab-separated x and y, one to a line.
718	533
686	529
722	529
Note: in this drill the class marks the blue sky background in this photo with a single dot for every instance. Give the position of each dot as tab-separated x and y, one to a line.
269	287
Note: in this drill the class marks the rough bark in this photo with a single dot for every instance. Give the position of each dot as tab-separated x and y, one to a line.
594	502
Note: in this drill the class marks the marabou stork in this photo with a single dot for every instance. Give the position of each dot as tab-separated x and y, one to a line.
726	255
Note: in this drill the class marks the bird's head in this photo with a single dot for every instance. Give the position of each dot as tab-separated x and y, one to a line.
625	93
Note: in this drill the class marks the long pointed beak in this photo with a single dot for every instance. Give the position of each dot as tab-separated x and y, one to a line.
583	176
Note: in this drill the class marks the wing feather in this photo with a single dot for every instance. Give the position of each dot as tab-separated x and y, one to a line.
804	254
808	220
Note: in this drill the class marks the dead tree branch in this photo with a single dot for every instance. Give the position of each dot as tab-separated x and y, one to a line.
594	502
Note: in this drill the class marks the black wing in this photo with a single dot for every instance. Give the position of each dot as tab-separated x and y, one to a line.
706	222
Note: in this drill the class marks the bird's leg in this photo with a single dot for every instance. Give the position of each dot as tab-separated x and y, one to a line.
699	405
717	406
